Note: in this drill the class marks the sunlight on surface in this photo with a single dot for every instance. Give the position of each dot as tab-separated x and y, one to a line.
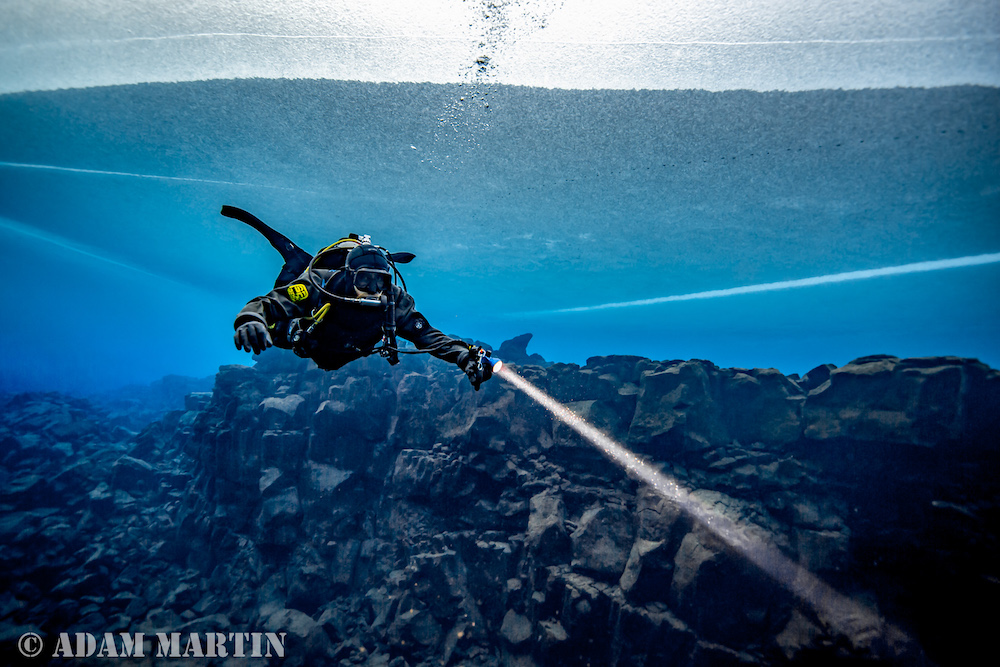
714	45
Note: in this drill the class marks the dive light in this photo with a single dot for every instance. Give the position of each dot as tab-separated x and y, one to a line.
484	356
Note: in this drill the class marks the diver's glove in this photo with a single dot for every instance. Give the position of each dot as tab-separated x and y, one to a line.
252	336
477	368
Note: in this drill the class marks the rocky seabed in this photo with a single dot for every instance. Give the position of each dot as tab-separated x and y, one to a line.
392	516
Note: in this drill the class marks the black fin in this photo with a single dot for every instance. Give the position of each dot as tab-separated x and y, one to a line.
402	257
296	259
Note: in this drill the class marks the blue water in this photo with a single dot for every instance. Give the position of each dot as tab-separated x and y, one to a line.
117	268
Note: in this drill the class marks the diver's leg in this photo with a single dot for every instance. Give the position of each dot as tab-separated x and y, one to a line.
296	259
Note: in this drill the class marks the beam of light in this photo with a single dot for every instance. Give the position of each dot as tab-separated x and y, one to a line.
861	625
155	177
917	267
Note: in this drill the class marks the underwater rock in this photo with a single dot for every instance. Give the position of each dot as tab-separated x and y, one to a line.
310	581
516	628
648	571
924	402
284	413
437	477
676	411
546	536
306	641
815	377
391	515
653	634
762	406
280	516
133	475
515	351
709	581
602	541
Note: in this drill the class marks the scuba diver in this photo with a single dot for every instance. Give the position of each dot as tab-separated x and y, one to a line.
343	304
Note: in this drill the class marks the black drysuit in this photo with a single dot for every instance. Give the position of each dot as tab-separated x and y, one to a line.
347	331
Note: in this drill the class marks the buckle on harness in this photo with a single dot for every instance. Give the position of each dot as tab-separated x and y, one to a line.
388	349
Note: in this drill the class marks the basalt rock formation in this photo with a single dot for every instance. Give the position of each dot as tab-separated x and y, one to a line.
393	516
